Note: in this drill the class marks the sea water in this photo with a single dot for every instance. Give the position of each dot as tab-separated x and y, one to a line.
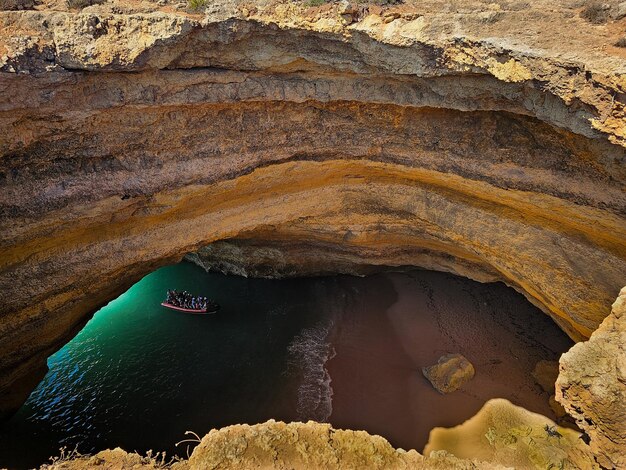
340	349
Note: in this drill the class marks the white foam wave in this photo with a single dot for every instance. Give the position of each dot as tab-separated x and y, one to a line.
309	351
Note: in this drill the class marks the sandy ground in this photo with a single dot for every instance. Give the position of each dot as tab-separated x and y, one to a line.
394	328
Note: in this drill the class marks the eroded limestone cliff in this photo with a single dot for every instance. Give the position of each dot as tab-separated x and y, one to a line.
135	133
592	386
276	445
501	436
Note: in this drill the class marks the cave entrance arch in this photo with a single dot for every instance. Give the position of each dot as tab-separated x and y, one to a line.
498	197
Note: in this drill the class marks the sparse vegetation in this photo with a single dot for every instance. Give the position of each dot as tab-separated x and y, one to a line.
195	440
317	3
114	459
158	460
80	4
595	12
64	456
8	5
197	4
621	42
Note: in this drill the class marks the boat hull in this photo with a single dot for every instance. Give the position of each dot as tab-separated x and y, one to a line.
190	310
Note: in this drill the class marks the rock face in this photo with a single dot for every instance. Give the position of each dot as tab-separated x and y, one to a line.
276	445
450	138
299	446
592	386
505	434
450	373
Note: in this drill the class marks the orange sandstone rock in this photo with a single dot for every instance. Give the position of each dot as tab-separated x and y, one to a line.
592	386
508	435
450	373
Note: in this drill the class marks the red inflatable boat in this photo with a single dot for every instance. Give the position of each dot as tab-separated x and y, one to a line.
206	311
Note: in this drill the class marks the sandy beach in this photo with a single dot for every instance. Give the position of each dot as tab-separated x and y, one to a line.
397	323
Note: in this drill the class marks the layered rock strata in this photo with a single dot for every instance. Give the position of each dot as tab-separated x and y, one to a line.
134	135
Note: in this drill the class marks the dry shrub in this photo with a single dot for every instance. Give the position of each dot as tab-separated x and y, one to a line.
17	5
595	12
80	4
196	4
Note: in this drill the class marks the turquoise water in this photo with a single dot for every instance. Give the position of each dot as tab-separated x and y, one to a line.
139	375
340	349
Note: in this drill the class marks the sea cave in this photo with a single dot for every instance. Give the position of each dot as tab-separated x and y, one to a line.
368	173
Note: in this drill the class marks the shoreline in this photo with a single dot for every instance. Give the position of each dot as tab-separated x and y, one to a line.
376	374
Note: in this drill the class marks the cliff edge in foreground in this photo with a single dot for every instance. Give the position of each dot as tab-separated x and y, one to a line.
276	445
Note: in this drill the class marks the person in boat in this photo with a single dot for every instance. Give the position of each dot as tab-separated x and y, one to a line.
174	298
185	300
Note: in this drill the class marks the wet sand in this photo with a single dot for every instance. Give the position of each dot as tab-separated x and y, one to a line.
397	323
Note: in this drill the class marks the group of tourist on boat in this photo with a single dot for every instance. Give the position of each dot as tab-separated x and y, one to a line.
185	300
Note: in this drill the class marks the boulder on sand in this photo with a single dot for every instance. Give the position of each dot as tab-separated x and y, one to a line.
450	373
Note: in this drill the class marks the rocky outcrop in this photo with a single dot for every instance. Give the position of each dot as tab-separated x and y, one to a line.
592	386
508	435
276	445
297	445
451	140
450	373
